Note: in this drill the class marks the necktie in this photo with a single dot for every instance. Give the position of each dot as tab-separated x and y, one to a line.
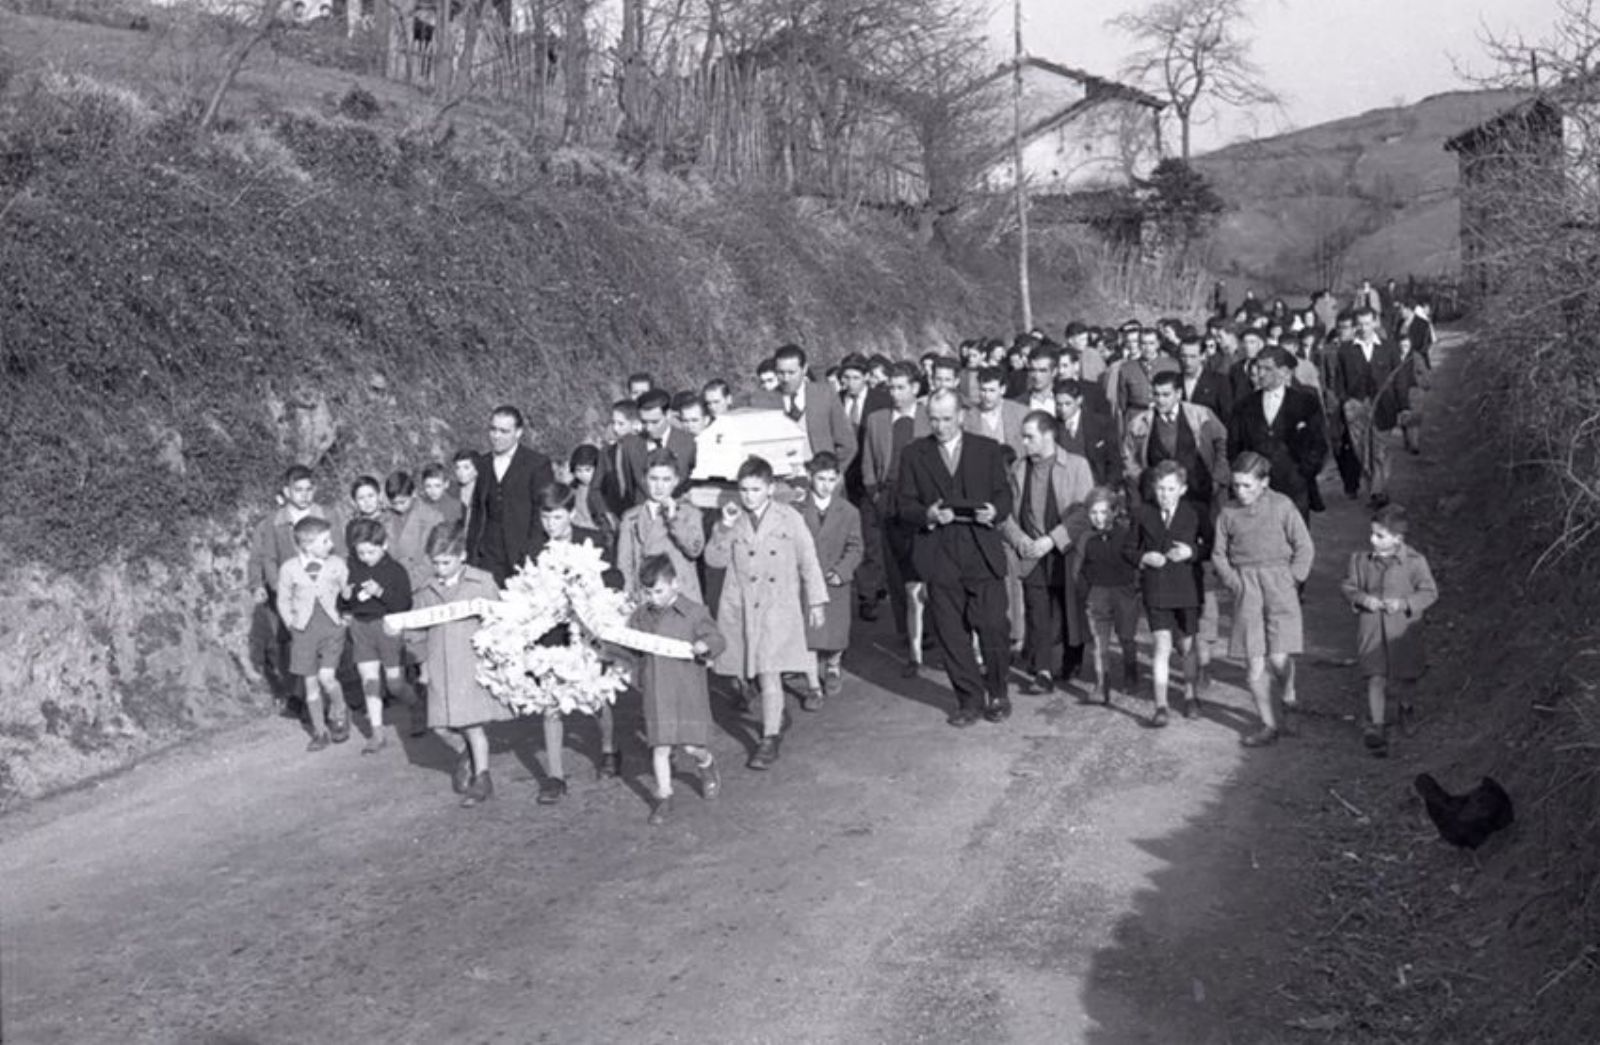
949	452
794	408
1030	521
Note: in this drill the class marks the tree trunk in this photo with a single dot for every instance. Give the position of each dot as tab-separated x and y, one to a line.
265	23
575	65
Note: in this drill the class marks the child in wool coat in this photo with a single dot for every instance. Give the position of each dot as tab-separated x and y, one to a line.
1389	587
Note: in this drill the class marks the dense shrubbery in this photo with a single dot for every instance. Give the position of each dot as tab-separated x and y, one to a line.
172	302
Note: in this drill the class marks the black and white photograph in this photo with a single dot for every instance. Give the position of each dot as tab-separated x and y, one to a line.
799	522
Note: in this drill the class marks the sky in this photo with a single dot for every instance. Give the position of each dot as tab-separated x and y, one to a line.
1330	58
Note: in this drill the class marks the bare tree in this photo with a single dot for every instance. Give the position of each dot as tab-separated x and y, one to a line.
1195	54
1570	52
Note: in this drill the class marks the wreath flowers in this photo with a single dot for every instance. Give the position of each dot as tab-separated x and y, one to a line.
535	672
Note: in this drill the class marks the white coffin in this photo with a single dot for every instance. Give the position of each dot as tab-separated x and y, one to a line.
770	434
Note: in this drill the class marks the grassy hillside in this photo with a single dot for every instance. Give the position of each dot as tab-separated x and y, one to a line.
338	278
1372	194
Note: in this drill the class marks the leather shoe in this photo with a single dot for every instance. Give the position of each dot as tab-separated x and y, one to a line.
479	791
1041	682
1261	737
998	710
1159	719
963	717
552	790
811	700
766	753
710	781
610	764
659	808
910	669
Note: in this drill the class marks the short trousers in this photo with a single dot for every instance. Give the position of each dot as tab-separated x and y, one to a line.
319	646
369	642
1183	621
1115	607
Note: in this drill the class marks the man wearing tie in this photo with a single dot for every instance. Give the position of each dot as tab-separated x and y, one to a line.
1172	430
955	493
1090	435
1202	385
993	415
658	434
812	404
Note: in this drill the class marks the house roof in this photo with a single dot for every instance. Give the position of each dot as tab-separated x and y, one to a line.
1097	87
1542	105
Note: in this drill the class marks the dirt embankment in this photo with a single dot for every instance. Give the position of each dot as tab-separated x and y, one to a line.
188	314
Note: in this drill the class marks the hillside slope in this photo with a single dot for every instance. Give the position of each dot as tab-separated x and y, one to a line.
324	281
1373	194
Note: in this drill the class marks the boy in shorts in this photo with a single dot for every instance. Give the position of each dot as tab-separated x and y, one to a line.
308	603
378	585
1172	539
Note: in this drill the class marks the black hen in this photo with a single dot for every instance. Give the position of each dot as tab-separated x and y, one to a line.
1466	820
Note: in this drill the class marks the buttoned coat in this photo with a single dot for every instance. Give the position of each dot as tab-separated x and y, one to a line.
1210	443
773	577
1391	644
455	696
527	473
299	593
681	539
677	705
940	553
1096	442
1295	443
1177	585
837	534
1214	392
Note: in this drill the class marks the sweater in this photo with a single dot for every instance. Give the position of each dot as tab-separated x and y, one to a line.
391	577
1269	533
1109	557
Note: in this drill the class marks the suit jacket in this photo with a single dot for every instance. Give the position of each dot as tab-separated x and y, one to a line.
622	486
1354	378
1177	584
299	592
1214	392
1010	434
827	427
683	446
1072	480
944	554
1210	441
513	498
876	398
879	469
1296	442
272	545
1095	442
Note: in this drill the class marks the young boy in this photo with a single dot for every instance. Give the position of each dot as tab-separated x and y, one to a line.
465	465
677	706
436	493
1173	538
1389	587
271	545
309	586
662	525
378	585
835	526
1263	551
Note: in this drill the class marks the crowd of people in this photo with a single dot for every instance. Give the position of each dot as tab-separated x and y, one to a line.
1014	506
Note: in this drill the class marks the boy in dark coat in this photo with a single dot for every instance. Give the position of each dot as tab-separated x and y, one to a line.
835	526
1173	540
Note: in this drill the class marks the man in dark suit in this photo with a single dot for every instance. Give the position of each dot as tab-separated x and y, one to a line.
505	514
1201	385
1285	425
955	491
1367	399
657	431
1091	436
811	403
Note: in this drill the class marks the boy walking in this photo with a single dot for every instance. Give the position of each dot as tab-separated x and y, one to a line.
309	586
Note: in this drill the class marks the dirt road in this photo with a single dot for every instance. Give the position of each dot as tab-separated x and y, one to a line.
1068	876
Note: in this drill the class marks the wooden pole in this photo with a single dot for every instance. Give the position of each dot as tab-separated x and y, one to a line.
1024	290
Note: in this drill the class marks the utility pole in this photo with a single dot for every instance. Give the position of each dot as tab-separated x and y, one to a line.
1023	287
